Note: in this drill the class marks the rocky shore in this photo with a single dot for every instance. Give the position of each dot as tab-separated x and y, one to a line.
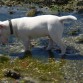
67	70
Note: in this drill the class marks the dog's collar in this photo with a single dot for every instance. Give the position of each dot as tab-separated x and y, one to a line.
11	27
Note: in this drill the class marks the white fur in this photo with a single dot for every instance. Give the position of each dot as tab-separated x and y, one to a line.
45	25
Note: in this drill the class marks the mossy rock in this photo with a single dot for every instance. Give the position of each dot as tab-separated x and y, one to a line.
79	39
80	3
8	3
3	58
69	9
74	32
11	3
31	13
1	3
12	74
32	7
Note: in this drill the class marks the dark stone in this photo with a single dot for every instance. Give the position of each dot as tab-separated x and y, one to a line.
12	74
11	12
65	78
80	3
7	73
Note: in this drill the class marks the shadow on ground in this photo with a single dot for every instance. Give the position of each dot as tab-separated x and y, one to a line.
42	54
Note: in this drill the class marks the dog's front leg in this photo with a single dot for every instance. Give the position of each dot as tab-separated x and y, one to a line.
27	47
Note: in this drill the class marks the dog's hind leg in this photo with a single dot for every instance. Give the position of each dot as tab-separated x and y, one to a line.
56	35
50	44
60	44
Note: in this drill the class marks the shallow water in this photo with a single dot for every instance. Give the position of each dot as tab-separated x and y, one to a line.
18	48
73	67
18	12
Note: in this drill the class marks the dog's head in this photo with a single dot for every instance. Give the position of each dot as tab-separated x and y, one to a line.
4	32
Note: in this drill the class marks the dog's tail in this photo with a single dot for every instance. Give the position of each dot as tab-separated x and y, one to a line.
69	17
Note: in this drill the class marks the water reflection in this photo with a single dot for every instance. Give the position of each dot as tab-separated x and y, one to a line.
18	12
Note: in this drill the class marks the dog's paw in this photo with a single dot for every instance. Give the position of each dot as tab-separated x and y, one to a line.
50	54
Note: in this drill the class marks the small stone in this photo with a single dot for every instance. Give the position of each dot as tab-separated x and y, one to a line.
79	39
12	74
65	77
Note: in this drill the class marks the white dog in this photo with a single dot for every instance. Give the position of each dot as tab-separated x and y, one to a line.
26	28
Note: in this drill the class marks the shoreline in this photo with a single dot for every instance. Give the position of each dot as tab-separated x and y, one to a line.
68	7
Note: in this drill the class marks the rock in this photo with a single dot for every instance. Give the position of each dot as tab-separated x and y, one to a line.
80	3
31	13
3	58
11	3
11	12
12	74
74	32
69	9
1	3
79	39
8	3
